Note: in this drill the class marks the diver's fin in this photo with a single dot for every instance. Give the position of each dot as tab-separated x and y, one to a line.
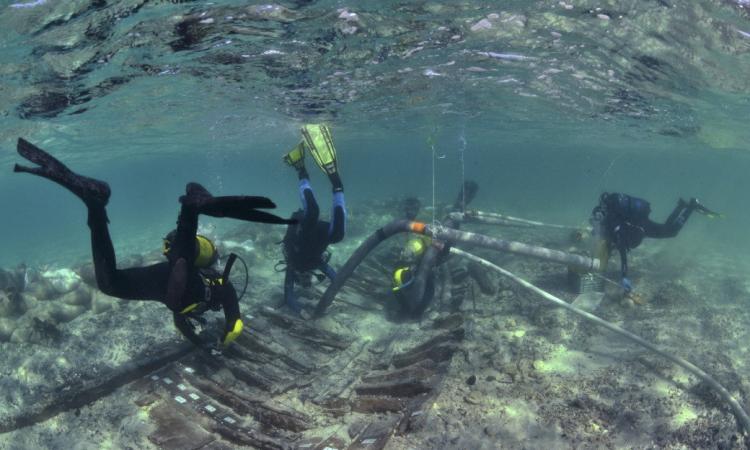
319	143
91	191
699	208
195	196
196	189
39	156
296	156
32	170
241	208
252	215
234	202
466	194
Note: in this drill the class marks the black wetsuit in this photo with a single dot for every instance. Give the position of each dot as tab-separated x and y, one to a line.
177	282
624	223
153	282
410	301
305	243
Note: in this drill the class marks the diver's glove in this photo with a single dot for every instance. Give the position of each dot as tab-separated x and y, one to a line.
627	285
183	323
231	334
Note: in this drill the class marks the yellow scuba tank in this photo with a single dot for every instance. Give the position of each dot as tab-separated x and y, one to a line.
205	252
415	247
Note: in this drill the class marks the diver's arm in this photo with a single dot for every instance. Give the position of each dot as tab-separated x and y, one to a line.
623	261
619	243
232	319
240	207
186	328
184	241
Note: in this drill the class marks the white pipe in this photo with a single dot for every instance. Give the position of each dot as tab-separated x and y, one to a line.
739	412
455	236
502	219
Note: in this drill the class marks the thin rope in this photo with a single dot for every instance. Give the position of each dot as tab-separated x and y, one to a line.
461	153
434	170
431	140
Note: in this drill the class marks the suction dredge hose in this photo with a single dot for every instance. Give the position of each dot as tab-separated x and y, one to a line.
739	412
456	236
447	235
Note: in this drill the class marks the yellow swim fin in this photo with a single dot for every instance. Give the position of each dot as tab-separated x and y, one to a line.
296	156
318	140
699	208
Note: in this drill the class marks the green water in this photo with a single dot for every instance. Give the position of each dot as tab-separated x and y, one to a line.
556	102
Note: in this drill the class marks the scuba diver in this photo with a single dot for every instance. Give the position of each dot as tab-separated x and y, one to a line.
306	241
185	283
415	259
621	222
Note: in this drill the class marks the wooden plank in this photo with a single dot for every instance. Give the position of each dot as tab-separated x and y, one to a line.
399	388
421	370
376	435
437	353
370	405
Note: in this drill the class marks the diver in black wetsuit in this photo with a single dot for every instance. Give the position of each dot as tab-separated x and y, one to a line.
180	283
305	243
622	222
413	255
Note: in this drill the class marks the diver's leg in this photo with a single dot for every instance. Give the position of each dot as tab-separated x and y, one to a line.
429	293
92	192
231	305
177	285
183	245
328	271
310	209
310	206
336	183
95	194
674	223
289	298
138	283
102	250
337	228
